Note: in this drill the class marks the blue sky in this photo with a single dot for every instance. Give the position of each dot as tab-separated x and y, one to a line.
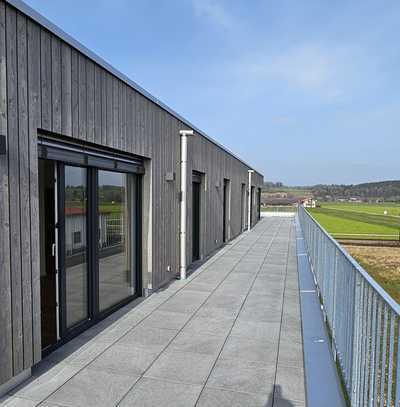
306	91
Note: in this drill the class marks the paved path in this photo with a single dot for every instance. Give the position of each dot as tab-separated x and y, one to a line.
230	335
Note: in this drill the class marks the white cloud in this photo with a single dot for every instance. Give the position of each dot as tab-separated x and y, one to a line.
214	11
307	66
325	71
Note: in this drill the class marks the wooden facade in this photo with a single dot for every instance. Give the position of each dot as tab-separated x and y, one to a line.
47	84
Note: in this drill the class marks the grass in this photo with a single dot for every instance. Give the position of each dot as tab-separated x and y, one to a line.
383	264
374	209
358	221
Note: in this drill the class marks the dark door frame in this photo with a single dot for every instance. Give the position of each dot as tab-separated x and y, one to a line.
196	217
225	203
94	316
251	205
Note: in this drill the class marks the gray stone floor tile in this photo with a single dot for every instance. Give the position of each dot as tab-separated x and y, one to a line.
225	301
203	344
201	286
222	398
260	314
250	349
208	326
224	314
292	332
17	402
242	375
232	289
182	367
291	382
68	351
156	393
111	335
259	302
166	320
93	388
125	359
288	403
39	387
186	303
153	339
256	330
87	354
290	353
174	337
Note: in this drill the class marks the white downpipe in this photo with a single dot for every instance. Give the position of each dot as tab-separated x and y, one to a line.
183	204
249	202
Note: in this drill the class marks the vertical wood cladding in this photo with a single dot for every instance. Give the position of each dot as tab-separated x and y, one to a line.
47	84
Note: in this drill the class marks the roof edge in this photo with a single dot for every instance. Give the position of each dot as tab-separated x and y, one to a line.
43	21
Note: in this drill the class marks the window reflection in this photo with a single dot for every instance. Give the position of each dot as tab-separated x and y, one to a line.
116	221
76	270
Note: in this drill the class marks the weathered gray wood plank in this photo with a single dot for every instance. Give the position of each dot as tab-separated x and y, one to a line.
45	76
97	105
115	113
13	174
90	100
75	93
110	103
66	90
24	187
129	120
103	107
34	107
56	84
82	91
6	357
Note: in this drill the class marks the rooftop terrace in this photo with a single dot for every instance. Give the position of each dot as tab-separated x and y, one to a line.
229	335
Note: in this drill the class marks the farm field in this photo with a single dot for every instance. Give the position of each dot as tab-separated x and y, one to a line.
382	263
392	209
359	221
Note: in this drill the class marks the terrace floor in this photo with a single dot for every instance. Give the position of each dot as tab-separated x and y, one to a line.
230	335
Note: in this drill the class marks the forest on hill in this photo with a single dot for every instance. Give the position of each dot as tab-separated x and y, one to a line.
388	191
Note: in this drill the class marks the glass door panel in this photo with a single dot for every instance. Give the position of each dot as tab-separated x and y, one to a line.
75	245
116	237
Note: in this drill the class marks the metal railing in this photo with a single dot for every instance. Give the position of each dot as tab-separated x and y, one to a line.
279	208
362	318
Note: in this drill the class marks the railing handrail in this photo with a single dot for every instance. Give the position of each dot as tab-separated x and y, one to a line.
375	285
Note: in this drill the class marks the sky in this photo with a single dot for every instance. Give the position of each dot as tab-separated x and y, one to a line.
305	91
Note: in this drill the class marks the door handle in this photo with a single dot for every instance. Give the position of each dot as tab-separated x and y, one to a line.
53	249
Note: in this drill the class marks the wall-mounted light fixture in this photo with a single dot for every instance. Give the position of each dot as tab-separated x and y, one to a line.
3	145
170	176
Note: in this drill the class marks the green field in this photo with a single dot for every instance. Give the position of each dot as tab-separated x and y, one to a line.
374	209
359	221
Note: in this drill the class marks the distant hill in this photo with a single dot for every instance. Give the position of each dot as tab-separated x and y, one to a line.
385	190
388	191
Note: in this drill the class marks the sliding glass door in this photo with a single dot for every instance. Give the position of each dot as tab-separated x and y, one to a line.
116	193
98	229
89	201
